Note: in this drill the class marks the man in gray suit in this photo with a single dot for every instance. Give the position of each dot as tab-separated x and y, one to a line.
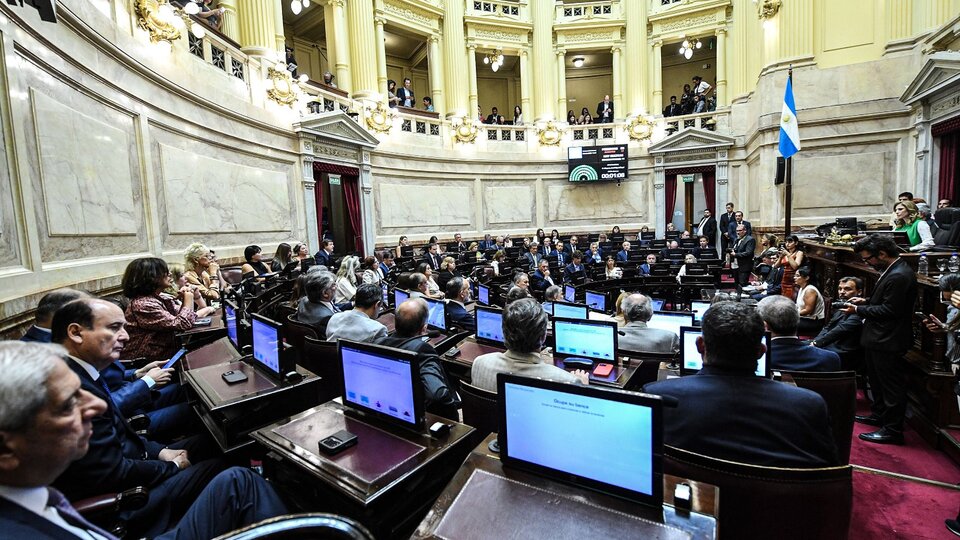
637	312
358	324
317	306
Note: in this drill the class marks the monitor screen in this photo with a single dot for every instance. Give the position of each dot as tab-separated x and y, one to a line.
483	295
569	311
670	321
691	361
569	293
400	296
266	344
657	303
385	293
698	309
230	321
548	307
531	410
596	340
380	380
597	301
489	325
437	318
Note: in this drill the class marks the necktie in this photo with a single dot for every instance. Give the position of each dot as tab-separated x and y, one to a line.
70	514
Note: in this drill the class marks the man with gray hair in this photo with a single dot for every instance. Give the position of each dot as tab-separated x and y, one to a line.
637	337
317	306
48	305
780	315
524	331
358	324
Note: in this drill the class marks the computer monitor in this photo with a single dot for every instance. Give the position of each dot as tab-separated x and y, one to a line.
698	308
483	295
382	382
657	303
489	326
400	296
569	293
406	251
672	321
548	307
596	340
602	419
569	311
596	300
691	361
648	235
385	292
268	346
437	319
230	321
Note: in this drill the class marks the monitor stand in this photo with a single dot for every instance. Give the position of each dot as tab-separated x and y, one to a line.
494	446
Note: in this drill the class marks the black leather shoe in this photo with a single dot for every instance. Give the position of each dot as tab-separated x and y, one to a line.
883	436
870	420
953	526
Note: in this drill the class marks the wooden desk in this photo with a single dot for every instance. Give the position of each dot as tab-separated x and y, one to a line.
524	505
201	335
387	481
231	411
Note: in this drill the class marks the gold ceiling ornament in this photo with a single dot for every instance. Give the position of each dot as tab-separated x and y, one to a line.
281	86
379	118
161	20
640	128
550	134
466	132
767	9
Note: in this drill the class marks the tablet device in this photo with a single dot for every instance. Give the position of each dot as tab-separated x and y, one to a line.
176	358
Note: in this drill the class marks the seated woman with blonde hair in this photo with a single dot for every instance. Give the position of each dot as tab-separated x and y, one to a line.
202	271
347	280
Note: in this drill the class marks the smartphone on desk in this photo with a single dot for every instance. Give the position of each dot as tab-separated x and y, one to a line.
206	321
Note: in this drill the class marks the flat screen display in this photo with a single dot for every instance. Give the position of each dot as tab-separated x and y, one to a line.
483	295
698	309
569	311
657	303
569	293
691	361
400	296
670	321
230	321
437	318
266	345
548	307
596	340
597	163
596	301
489	325
380	380
385	294
567	432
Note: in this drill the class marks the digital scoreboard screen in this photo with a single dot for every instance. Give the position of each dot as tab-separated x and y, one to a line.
597	163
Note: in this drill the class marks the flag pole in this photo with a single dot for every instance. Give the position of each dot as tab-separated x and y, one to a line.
788	181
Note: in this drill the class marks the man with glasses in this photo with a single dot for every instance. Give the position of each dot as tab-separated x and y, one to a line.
886	336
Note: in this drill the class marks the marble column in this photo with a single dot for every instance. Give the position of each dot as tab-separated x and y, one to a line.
543	12
742	11
257	28
561	82
657	104
472	99
525	86
923	143
278	36
659	195
366	204
381	57
455	62
342	60
617	82
436	75
722	174
310	203
635	52
932	13
231	24
363	50
721	67
899	19
795	21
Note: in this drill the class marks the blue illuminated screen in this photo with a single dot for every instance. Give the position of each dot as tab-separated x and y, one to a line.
567	311
378	383
586	339
483	294
657	303
266	345
230	319
569	293
670	321
490	325
548	307
400	296
436	317
698	309
692	360
596	301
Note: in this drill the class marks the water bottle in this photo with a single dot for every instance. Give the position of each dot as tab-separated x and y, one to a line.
923	267
954	264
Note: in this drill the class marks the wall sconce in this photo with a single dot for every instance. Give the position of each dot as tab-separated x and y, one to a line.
767	9
164	22
550	134
640	128
379	118
282	87
578	62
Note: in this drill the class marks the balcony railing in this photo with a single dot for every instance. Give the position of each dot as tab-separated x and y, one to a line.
506	133
609	9
712	121
495	8
592	132
419	122
326	99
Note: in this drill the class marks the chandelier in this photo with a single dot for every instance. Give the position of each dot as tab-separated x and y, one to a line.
296	6
494	60
686	49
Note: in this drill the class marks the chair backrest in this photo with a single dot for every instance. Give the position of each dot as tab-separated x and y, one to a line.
771	502
294	331
232	274
320	357
479	409
839	390
948	227
302	526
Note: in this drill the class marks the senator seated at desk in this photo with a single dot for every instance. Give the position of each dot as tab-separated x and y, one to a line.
48	305
842	333
58	422
458	294
358	324
728	412
636	336
542	279
524	332
317	306
780	315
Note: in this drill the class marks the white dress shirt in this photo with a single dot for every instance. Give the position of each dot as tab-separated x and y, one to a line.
35	500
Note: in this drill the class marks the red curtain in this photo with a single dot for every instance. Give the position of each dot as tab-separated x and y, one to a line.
318	195
351	193
710	189
670	197
949	166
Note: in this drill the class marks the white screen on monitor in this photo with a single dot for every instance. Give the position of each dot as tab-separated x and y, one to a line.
670	321
230	317
594	341
490	325
436	316
266	345
548	307
533	414
569	293
566	311
483	294
691	358
699	308
596	301
378	383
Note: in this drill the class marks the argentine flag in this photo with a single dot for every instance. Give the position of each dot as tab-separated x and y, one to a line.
789	131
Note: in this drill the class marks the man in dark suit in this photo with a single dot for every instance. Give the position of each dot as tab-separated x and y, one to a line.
410	325
781	316
563	255
532	258
770	286
148	391
493	117
842	333
457	246
624	254
48	305
40	442
541	278
575	269
92	332
727	412
725	219
457	293
387	263
742	252
405	95
737	221
324	257
487	243
887	335
433	257
645	268
704	249
673	109
707	227
316	307
605	111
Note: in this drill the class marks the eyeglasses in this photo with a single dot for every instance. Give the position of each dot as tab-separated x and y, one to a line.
868	259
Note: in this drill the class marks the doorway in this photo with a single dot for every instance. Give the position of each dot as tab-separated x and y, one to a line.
688	193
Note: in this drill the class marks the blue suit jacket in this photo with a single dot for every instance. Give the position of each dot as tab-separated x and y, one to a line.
35	335
732	229
570	271
623	256
324	258
792	354
118	458
460	317
588	257
129	393
538	281
18	522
